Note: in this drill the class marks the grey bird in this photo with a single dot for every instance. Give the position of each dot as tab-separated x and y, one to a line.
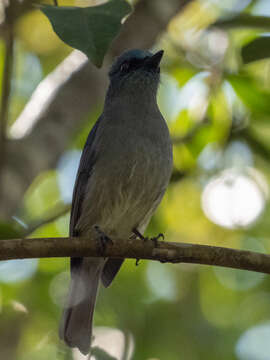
123	174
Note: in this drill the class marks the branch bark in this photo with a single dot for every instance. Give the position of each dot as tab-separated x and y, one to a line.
135	249
6	88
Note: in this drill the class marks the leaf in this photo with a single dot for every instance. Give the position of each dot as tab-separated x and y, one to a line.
256	99
90	29
182	75
7	231
257	49
243	20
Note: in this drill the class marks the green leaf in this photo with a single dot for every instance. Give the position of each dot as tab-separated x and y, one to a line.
256	99
182	75
7	231
257	49
89	29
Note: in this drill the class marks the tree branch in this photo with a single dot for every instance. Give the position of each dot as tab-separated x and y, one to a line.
6	87
135	249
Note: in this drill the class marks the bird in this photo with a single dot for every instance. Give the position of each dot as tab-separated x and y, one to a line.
124	171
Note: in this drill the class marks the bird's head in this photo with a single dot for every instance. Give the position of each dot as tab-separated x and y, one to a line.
136	71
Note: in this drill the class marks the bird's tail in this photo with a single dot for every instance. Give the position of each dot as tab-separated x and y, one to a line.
76	323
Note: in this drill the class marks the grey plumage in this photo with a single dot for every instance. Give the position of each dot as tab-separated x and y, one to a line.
123	173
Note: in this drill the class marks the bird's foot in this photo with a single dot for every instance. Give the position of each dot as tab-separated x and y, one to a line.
141	237
103	238
156	238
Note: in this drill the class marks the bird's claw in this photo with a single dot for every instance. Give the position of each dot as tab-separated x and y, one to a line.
156	238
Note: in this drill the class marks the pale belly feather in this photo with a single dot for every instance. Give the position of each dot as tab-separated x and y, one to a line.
126	197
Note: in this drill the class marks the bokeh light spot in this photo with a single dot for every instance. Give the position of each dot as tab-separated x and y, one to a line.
67	168
233	199
254	344
12	271
161	281
59	287
108	342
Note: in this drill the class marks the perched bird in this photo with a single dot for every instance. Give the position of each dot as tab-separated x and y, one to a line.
124	171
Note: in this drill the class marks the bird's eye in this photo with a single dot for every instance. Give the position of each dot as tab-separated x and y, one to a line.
124	66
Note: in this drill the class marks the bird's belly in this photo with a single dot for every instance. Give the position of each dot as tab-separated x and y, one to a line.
126	196
132	197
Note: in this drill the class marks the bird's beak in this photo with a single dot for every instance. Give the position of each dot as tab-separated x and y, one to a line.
154	61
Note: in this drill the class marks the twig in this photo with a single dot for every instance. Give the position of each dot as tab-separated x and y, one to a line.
55	2
135	249
244	20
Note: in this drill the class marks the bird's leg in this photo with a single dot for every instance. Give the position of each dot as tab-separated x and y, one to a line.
104	239
139	235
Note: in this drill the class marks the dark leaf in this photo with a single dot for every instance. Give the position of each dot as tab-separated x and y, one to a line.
257	49
89	29
7	231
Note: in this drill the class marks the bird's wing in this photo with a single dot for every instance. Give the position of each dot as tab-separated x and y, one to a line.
87	162
88	159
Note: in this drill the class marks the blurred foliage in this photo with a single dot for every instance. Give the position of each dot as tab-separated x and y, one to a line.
215	95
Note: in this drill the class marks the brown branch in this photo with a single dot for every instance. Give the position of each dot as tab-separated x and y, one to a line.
19	8
6	86
135	249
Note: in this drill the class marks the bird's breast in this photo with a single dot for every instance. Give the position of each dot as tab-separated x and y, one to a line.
129	178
